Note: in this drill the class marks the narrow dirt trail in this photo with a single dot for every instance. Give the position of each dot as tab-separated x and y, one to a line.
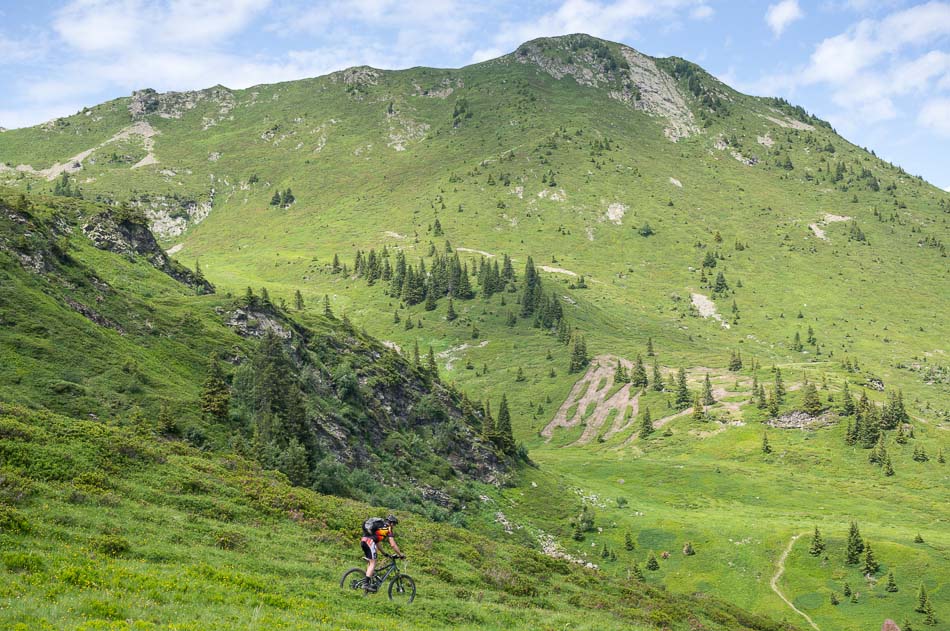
779	570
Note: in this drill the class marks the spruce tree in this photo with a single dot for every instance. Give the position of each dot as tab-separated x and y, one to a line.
657	377
683	397
847	589
652	563
298	301
922	599
646	423
817	544
639	376
891	583
900	438
773	404
327	311
779	387
579	357
506	441
699	412
766	447
761	401
650	351
215	394
888	467
855	545
847	401
628	544
488	423
432	366
871	566
834	599
811	404
708	398
450	314
637	572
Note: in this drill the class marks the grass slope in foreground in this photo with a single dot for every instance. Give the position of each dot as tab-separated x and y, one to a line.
108	527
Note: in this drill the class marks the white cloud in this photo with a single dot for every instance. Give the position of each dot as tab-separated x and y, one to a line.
779	16
702	12
935	115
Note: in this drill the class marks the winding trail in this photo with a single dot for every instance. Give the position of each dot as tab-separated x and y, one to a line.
779	570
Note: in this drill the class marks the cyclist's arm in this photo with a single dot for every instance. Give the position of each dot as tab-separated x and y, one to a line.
392	543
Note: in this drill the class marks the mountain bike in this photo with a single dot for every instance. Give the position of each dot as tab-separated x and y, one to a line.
401	586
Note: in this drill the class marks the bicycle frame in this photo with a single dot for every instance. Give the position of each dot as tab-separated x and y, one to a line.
383	573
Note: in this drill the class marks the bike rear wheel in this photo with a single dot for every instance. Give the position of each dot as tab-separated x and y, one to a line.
353	579
402	589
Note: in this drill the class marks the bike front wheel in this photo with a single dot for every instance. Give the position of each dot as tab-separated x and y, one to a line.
402	589
353	579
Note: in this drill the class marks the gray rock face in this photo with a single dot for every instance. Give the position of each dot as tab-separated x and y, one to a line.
174	104
124	236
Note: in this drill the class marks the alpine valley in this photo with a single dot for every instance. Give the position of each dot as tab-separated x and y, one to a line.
621	346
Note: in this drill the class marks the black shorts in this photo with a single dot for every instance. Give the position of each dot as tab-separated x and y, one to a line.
369	548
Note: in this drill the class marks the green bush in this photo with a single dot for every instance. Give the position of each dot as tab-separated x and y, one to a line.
14	488
113	545
229	540
12	521
22	562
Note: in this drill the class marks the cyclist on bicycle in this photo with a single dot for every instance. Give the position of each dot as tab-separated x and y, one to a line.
375	530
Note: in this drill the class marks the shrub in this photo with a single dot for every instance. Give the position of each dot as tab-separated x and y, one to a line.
14	488
22	562
229	540
113	545
12	521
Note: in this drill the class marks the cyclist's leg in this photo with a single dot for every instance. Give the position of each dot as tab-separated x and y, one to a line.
369	551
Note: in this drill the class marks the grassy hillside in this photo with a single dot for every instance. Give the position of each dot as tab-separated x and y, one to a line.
111	527
564	152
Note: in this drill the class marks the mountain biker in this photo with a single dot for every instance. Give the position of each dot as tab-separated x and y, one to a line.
375	530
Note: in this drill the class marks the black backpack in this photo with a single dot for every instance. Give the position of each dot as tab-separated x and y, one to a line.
371	525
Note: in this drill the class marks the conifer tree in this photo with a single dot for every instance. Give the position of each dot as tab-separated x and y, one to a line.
888	467
657	377
639	376
650	351
773	404
871	566
846	589
922	599
834	599
293	463
817	543
847	401
327	311
416	359
579	357
298	301
761	401
215	394
506	441
779	387
708	398
766	447
891	583
855	545
646	423
652	563
430	299
900	438
735	361
637	572
488	423
920	454
628	544
432	366
918	538
166	424
811	404
699	412
450	314
683	397
620	373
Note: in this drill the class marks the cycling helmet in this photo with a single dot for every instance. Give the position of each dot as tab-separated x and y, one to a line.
392	519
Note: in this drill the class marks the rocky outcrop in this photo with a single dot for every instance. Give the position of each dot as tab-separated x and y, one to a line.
170	216
626	74
117	231
144	103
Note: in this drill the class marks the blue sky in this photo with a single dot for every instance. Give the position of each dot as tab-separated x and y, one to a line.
879	70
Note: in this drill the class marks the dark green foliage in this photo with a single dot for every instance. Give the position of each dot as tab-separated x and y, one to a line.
766	448
891	585
638	377
652	563
505	440
871	566
683	397
735	361
817	544
708	398
657	377
579	358
646	423
855	545
628	543
811	404
215	394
